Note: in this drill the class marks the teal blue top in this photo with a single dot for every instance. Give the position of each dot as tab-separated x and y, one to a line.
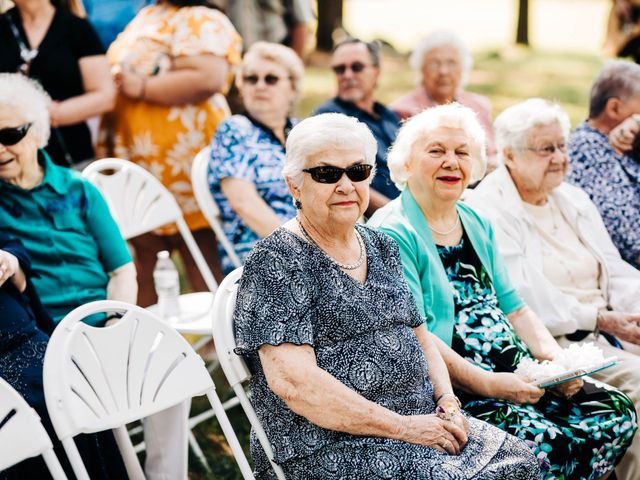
404	221
66	227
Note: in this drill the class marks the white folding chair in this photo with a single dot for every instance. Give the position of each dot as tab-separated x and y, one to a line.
234	366
22	435
139	203
103	378
207	204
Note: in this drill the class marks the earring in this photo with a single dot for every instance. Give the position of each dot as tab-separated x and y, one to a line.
298	204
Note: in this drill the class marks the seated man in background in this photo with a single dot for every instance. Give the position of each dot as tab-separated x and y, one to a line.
558	253
357	67
610	177
78	254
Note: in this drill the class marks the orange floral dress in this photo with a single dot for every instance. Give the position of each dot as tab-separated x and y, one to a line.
164	139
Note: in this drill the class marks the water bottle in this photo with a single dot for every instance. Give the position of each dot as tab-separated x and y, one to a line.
167	285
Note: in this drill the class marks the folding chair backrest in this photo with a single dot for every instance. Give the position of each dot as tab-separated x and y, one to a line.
139	203
22	435
234	366
207	204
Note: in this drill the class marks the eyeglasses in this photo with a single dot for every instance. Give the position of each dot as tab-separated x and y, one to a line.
436	65
269	79
549	150
11	136
330	174
355	67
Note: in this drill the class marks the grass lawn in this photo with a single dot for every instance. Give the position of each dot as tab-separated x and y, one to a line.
506	77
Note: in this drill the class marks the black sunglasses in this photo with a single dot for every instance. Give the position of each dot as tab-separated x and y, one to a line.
269	79
355	67
11	136
329	174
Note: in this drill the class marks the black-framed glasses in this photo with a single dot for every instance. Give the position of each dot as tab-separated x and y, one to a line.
549	150
269	79
331	174
355	67
11	136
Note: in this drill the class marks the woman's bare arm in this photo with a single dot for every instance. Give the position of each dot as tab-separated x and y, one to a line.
249	205
99	96
532	331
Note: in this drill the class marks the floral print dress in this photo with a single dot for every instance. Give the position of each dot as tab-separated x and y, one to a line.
161	138
580	438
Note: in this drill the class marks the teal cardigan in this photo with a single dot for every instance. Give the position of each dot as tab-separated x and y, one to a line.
403	220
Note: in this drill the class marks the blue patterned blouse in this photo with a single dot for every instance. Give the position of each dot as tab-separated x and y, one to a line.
613	183
245	149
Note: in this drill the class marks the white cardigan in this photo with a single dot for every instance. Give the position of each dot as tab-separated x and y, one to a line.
497	197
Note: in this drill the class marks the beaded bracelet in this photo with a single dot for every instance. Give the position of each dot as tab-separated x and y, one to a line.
449	394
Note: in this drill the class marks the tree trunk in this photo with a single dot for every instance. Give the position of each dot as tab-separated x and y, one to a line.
522	33
329	19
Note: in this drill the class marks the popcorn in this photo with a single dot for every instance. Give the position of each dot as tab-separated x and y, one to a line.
574	357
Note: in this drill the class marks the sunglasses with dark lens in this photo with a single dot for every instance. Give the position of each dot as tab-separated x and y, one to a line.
330	174
355	67
11	136
269	79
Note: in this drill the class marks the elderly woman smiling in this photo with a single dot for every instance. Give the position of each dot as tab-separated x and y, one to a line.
347	381
443	63
247	152
461	286
557	249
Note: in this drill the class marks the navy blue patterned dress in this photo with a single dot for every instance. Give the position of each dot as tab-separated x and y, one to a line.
581	438
243	148
362	334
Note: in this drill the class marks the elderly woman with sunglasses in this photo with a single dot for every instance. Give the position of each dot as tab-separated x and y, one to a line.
247	152
557	249
347	381
459	281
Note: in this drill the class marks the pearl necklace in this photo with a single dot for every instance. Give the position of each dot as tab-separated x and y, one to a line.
345	266
455	225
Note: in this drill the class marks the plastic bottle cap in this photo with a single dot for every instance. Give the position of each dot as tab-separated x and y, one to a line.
163	254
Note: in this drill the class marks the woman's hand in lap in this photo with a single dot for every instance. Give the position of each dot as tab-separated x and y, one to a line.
10	269
513	388
567	389
434	432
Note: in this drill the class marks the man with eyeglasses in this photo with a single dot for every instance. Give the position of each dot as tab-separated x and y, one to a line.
599	151
356	64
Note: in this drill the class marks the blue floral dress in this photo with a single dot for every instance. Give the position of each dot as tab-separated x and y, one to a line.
243	148
362	334
581	438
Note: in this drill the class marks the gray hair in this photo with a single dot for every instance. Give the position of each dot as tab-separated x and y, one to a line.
512	126
29	102
451	115
320	133
617	79
276	53
441	39
373	48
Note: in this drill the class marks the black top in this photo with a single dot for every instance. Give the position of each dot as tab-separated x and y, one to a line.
56	67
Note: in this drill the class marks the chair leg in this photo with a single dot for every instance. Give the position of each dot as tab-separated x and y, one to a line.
197	451
131	462
74	459
53	464
230	435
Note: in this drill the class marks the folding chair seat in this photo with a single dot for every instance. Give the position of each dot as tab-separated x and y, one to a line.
233	365
103	378
22	435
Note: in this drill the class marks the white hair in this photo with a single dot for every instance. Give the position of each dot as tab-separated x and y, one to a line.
320	133
441	39
418	127
29	104
513	124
